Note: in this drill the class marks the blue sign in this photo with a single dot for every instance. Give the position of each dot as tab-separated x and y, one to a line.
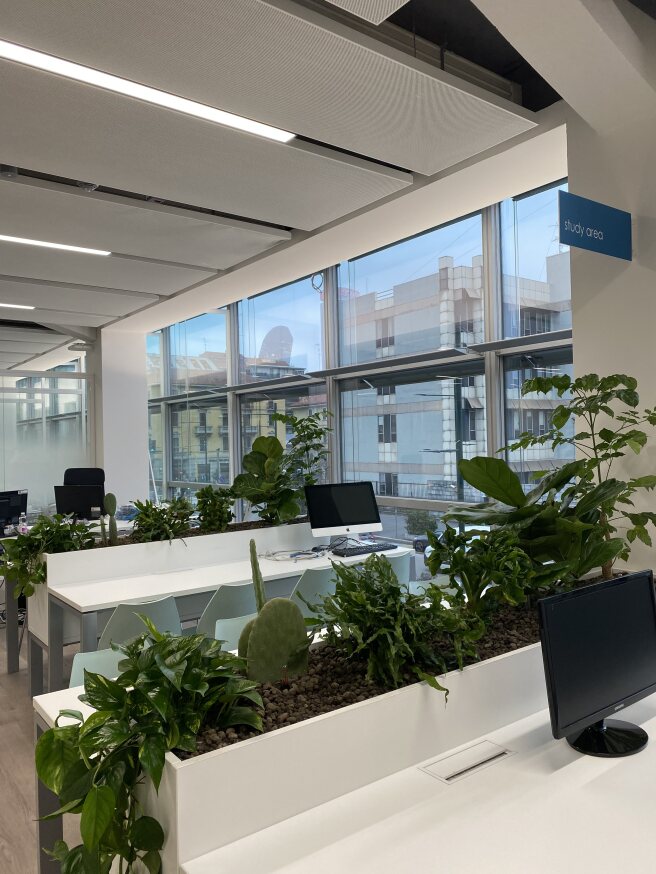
594	226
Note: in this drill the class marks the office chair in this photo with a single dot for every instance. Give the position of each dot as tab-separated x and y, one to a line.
313	584
228	602
124	624
84	476
229	630
102	661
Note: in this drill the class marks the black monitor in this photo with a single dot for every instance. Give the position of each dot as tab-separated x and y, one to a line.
599	651
342	508
83	502
12	505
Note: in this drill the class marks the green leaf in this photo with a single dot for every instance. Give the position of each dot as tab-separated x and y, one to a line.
77	782
56	753
494	478
102	693
152	861
97	814
146	834
151	757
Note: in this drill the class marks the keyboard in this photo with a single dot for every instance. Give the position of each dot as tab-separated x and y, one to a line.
365	549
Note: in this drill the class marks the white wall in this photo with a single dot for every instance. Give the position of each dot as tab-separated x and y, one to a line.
614	301
118	366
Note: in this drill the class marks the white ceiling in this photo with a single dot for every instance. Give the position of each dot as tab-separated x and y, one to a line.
363	105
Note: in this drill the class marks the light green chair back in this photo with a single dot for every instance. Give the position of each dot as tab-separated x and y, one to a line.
125	625
228	630
401	566
313	585
102	661
227	602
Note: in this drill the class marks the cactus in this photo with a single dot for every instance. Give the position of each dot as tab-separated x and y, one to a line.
275	644
103	531
110	509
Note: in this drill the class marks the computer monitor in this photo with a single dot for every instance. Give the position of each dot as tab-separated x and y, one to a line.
12	505
342	508
599	651
83	502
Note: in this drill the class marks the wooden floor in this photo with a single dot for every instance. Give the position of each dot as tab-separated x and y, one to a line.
17	781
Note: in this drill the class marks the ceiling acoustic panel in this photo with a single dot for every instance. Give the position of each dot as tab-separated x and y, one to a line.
374	11
43	210
94	301
35	262
279	63
64	128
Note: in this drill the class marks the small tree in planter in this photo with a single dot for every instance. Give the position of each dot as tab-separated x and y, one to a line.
592	401
267	484
214	509
306	452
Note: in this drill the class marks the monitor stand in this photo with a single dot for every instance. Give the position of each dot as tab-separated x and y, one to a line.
609	738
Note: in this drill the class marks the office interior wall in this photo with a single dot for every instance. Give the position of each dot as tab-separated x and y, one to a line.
614	301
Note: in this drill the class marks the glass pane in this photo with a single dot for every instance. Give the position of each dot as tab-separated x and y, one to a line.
154	376
199	442
280	332
536	278
198	353
419	295
43	430
533	412
155	452
406	433
257	410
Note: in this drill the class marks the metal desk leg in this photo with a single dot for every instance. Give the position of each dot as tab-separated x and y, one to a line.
55	645
89	632
34	666
11	608
51	830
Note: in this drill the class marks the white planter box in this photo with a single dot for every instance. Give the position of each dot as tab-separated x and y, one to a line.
136	559
209	801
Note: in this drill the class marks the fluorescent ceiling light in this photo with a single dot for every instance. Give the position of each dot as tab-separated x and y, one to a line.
88	75
16	306
25	242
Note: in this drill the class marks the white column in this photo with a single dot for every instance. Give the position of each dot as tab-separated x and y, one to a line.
118	365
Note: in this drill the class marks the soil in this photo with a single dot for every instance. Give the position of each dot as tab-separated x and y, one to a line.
333	681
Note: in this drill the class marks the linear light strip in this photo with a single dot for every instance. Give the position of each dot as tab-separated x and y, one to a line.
78	72
25	242
16	306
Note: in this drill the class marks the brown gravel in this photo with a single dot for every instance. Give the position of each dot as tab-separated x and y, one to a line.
333	681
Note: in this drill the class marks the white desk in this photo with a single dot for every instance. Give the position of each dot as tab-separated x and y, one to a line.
85	600
545	810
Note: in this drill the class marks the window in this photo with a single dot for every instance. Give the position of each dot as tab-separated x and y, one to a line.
418	295
197	356
197	446
535	266
280	332
155	365
533	412
469	425
417	441
256	409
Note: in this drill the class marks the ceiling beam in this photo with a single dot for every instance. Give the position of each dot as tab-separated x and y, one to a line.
88	335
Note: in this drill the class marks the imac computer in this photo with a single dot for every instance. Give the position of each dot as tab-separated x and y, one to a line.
12	506
83	502
341	510
599	651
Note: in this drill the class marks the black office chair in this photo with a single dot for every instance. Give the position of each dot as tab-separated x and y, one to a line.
84	476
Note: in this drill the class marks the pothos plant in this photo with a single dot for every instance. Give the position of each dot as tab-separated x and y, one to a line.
168	689
601	419
22	556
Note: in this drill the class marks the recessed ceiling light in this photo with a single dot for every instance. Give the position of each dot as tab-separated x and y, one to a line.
16	306
49	63
25	242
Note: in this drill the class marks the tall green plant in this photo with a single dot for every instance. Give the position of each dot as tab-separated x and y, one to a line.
22	558
605	409
306	451
214	508
161	523
168	689
267	484
560	534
